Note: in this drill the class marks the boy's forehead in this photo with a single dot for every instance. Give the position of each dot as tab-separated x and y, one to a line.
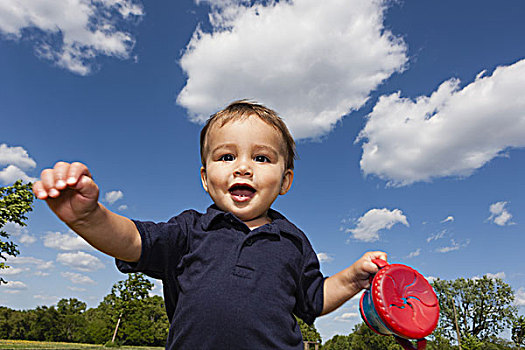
236	123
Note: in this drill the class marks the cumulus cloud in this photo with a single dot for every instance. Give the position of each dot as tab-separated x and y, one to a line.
499	214
35	263
14	286
324	257
72	33
20	232
61	241
122	207
113	196
80	261
451	133
312	61
77	278
369	225
17	162
14	270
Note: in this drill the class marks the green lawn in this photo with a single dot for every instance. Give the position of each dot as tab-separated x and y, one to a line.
27	344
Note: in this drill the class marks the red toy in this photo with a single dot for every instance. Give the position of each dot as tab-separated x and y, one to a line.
400	302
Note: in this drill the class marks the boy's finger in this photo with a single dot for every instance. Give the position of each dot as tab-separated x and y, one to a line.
60	172
39	191
47	177
76	170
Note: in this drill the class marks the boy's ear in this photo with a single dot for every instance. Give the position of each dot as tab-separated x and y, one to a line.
204	179
286	184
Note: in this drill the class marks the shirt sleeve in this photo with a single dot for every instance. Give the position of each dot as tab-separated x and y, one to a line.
163	245
310	292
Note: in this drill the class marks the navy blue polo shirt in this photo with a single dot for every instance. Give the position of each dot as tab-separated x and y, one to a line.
227	287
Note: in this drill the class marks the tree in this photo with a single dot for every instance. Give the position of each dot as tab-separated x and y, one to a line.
518	331
309	333
339	342
364	338
123	293
484	306
15	202
71	320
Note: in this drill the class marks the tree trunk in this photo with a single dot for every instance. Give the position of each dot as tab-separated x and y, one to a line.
116	328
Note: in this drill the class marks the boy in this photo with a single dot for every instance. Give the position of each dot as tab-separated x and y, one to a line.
234	276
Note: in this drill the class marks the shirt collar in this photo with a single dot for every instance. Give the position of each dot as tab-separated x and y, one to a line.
279	222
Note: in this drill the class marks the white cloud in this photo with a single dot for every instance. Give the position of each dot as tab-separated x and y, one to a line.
16	158
76	289
15	286
14	270
431	279
451	133
347	316
369	225
415	253
61	241
77	278
72	33
113	196
27	239
312	61
20	232
122	207
520	297
12	173
436	236
499	214
28	260
448	219
80	261
324	257
500	275
453	246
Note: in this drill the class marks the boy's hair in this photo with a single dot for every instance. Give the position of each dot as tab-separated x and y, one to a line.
242	109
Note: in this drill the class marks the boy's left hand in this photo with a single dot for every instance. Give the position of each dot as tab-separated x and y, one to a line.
361	271
347	283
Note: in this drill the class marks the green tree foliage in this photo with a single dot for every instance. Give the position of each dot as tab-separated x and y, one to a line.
124	295
71	319
309	333
518	331
15	202
483	306
339	342
363	338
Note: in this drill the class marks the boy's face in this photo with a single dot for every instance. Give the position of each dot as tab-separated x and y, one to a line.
245	168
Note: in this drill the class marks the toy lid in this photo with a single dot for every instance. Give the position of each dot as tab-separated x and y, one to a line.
405	301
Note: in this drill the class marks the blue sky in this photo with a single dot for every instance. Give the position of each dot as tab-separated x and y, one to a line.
409	118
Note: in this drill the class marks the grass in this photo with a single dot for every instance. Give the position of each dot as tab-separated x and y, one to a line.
28	344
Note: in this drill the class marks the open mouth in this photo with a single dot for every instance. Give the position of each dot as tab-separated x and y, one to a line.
241	192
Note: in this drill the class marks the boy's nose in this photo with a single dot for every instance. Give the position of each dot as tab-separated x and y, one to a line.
243	170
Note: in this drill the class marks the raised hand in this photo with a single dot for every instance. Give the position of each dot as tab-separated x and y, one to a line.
69	191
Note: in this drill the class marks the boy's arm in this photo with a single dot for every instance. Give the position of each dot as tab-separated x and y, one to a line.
344	285
72	195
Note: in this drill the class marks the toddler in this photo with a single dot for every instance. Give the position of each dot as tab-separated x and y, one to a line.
234	276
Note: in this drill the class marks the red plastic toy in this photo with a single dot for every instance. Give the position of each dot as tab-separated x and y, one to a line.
400	302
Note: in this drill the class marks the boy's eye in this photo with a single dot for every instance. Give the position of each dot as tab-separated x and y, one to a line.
227	158
262	159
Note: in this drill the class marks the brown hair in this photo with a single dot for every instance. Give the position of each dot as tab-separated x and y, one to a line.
243	109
